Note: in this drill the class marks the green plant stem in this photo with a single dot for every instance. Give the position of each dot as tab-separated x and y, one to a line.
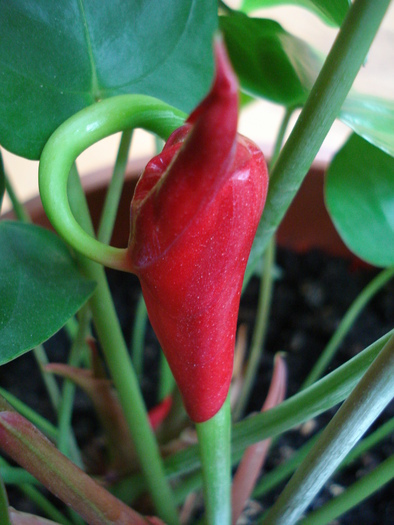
4	514
214	445
114	191
369	398
322	107
121	370
260	330
66	407
16	476
44	425
352	496
138	337
346	323
46	506
281	136
284	470
50	382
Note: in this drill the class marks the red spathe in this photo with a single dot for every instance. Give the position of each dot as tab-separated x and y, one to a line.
194	216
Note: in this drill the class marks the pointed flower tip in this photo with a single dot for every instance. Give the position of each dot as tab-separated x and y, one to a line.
223	94
225	80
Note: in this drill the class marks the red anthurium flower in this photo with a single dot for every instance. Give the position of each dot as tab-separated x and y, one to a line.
194	216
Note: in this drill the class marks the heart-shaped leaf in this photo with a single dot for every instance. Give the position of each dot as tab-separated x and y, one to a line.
332	12
270	62
372	118
359	193
58	57
40	287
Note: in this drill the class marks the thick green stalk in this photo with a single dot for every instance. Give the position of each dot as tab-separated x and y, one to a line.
352	496
114	191
214	444
121	370
369	398
322	107
346	323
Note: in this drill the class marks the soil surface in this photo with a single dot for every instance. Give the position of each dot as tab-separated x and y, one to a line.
311	295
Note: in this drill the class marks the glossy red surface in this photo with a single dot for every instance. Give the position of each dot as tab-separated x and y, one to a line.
194	215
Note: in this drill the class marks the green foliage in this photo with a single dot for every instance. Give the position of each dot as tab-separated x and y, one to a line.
371	118
332	12
59	57
270	62
2	181
40	287
360	198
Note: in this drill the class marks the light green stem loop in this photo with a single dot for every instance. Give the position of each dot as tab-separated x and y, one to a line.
72	138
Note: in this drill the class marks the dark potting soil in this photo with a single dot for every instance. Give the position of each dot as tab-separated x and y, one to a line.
311	295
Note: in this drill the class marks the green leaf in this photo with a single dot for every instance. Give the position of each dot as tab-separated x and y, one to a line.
372	118
59	57
40	287
331	13
2	180
269	61
359	192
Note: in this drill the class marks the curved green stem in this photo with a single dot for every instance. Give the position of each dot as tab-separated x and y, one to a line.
346	323
214	445
322	107
72	138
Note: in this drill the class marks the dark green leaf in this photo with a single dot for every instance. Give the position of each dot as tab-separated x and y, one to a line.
58	57
2	180
40	287
332	12
270	62
372	118
360	198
